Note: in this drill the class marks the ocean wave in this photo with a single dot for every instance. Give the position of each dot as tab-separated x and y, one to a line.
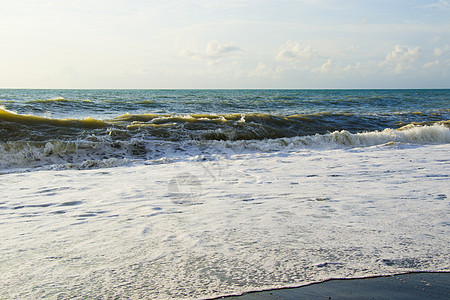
412	134
222	127
57	100
106	151
9	116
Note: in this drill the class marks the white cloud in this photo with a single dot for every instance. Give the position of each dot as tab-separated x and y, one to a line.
353	48
357	66
440	51
401	59
214	52
441	4
265	71
326	67
293	51
431	64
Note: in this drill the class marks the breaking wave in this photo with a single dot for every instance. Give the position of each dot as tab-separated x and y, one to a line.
106	151
224	127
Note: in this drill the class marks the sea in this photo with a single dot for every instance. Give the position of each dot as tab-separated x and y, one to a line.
199	194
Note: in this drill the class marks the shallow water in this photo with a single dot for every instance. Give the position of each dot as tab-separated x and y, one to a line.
208	228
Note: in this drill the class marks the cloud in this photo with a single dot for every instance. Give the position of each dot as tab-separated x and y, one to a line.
441	4
266	71
293	51
401	59
326	67
440	51
353	48
431	64
349	67
214	52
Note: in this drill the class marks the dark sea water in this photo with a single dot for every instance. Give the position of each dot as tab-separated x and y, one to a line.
47	127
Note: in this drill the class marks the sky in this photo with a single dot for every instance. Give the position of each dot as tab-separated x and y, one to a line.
224	44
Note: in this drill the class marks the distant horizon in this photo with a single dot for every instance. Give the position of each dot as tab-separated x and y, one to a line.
201	89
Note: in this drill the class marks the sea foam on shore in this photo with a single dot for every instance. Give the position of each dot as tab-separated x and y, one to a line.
206	228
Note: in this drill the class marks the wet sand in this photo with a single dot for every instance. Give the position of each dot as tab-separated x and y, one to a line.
406	286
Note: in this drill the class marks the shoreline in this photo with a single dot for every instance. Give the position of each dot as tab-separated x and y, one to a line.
412	285
239	224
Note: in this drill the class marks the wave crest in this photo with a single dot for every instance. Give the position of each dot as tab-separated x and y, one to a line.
105	151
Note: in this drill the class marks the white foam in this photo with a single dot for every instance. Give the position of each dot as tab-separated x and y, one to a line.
418	135
93	152
255	221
